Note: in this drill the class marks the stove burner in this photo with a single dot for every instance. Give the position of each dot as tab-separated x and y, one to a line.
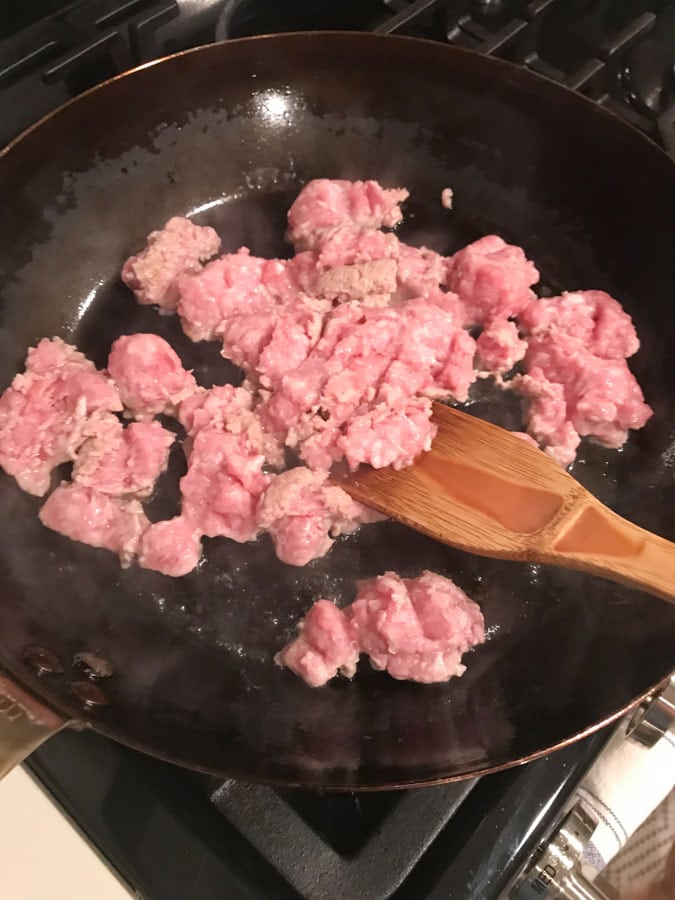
171	833
367	844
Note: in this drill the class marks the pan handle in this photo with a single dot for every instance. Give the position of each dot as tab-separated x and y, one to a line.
25	723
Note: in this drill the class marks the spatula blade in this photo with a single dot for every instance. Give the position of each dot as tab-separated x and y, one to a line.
479	488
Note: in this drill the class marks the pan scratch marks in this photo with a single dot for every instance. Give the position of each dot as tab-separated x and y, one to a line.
199	875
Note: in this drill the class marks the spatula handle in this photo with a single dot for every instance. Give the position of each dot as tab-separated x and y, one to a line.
598	541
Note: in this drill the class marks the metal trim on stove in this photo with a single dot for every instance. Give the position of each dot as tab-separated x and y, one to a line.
554	872
654	716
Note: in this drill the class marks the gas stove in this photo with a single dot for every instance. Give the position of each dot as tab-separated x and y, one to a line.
174	834
622	54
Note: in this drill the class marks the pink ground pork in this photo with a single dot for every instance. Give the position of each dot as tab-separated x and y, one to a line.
413	628
343	348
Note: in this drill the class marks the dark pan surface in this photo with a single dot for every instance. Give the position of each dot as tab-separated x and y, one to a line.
228	134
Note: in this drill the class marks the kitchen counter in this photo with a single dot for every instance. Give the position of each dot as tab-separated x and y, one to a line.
41	853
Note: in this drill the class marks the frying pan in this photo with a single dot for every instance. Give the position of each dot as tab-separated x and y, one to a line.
228	134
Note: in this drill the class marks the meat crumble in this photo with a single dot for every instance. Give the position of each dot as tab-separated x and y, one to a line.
413	628
343	347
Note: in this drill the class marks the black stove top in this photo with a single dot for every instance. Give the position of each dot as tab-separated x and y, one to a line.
173	834
620	52
176	835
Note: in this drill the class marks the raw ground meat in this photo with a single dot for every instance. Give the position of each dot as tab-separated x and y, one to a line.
229	286
388	437
418	269
324	647
371	283
49	411
325	204
178	249
414	628
223	406
420	272
85	515
149	375
499	346
223	484
578	382
291	338
228	408
546	416
343	347
123	461
172	547
347	246
433	348
594	397
304	514
492	278
257	307
357	393
323	367
594	318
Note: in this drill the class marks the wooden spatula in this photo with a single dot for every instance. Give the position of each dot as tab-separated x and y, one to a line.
484	490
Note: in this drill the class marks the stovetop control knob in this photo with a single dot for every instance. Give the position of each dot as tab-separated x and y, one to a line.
654	716
554	872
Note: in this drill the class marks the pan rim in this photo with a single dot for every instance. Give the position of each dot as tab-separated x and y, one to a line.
356	786
366	37
439	48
